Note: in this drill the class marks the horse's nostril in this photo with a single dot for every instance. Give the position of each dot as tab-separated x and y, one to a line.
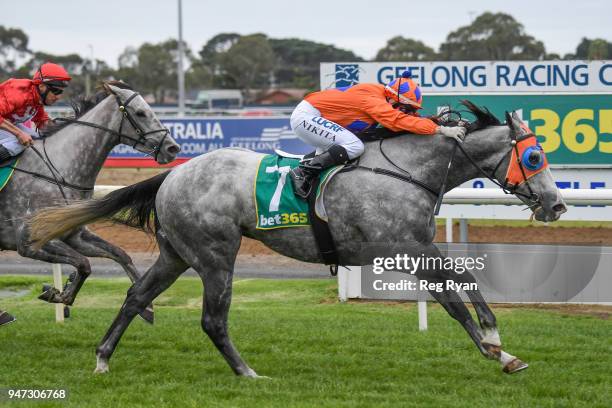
173	149
559	207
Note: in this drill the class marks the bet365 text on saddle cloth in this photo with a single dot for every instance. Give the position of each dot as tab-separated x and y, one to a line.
276	204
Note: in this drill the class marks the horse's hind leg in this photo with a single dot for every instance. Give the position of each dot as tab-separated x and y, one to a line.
56	251
95	246
168	267
89	244
490	335
217	300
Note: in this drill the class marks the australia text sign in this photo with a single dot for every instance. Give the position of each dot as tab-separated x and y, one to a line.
478	76
199	136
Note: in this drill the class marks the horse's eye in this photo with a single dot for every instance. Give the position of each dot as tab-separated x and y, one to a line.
535	157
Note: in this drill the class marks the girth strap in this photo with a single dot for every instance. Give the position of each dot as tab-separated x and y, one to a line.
321	232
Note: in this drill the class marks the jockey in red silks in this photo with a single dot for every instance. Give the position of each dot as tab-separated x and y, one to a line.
22	101
330	119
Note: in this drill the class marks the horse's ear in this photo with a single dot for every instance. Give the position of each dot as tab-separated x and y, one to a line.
515	116
111	89
509	121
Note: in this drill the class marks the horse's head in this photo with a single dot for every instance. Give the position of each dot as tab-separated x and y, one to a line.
526	174
140	127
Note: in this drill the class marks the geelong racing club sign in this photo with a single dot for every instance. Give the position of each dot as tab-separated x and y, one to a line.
568	104
478	76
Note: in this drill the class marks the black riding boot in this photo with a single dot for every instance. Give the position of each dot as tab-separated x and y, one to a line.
4	154
6	318
303	175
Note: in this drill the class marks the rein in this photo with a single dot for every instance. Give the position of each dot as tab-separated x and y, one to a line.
141	140
57	177
405	176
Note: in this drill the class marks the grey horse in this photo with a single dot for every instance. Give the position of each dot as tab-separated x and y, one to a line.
71	155
202	209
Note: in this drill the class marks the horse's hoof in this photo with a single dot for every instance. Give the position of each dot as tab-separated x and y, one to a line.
101	366
50	294
258	377
515	366
6	318
101	370
252	374
148	315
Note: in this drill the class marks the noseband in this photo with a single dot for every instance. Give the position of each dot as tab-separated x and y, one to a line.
139	131
57	179
126	115
508	188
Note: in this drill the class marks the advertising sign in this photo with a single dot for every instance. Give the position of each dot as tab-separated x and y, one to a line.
568	104
202	135
478	76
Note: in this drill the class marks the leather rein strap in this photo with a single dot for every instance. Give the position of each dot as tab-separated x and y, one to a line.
59	180
439	193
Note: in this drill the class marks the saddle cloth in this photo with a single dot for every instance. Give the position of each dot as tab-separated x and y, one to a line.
276	204
6	171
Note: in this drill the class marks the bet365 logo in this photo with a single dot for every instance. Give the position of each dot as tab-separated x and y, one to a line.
347	75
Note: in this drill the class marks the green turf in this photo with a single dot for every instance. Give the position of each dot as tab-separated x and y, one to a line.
317	351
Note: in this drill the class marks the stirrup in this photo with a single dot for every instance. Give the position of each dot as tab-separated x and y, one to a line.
299	181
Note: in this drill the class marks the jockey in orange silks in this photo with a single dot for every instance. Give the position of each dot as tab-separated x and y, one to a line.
330	119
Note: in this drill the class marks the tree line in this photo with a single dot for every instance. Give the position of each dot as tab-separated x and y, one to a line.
256	62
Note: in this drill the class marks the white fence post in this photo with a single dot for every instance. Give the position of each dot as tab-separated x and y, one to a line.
57	282
449	230
343	284
422	305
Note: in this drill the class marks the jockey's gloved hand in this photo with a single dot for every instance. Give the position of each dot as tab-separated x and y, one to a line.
455	132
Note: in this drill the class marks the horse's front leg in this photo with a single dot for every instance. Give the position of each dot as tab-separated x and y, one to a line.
491	340
487	340
59	252
87	243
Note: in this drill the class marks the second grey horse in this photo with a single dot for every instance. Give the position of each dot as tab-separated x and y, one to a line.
74	154
204	207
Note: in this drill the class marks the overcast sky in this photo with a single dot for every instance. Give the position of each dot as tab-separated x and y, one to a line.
108	26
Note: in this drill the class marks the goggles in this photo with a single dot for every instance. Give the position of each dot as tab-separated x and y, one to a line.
527	160
55	91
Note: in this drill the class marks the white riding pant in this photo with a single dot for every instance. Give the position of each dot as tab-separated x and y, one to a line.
309	126
10	141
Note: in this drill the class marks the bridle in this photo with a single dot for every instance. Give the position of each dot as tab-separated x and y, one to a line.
58	179
532	198
126	115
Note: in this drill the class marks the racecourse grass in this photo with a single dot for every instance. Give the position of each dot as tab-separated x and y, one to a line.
318	352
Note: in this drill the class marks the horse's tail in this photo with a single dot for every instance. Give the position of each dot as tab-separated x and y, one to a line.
132	205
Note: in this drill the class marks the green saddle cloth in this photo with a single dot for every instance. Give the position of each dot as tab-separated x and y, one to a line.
6	172
276	204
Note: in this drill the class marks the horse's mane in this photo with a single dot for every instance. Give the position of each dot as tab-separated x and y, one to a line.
82	105
484	117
